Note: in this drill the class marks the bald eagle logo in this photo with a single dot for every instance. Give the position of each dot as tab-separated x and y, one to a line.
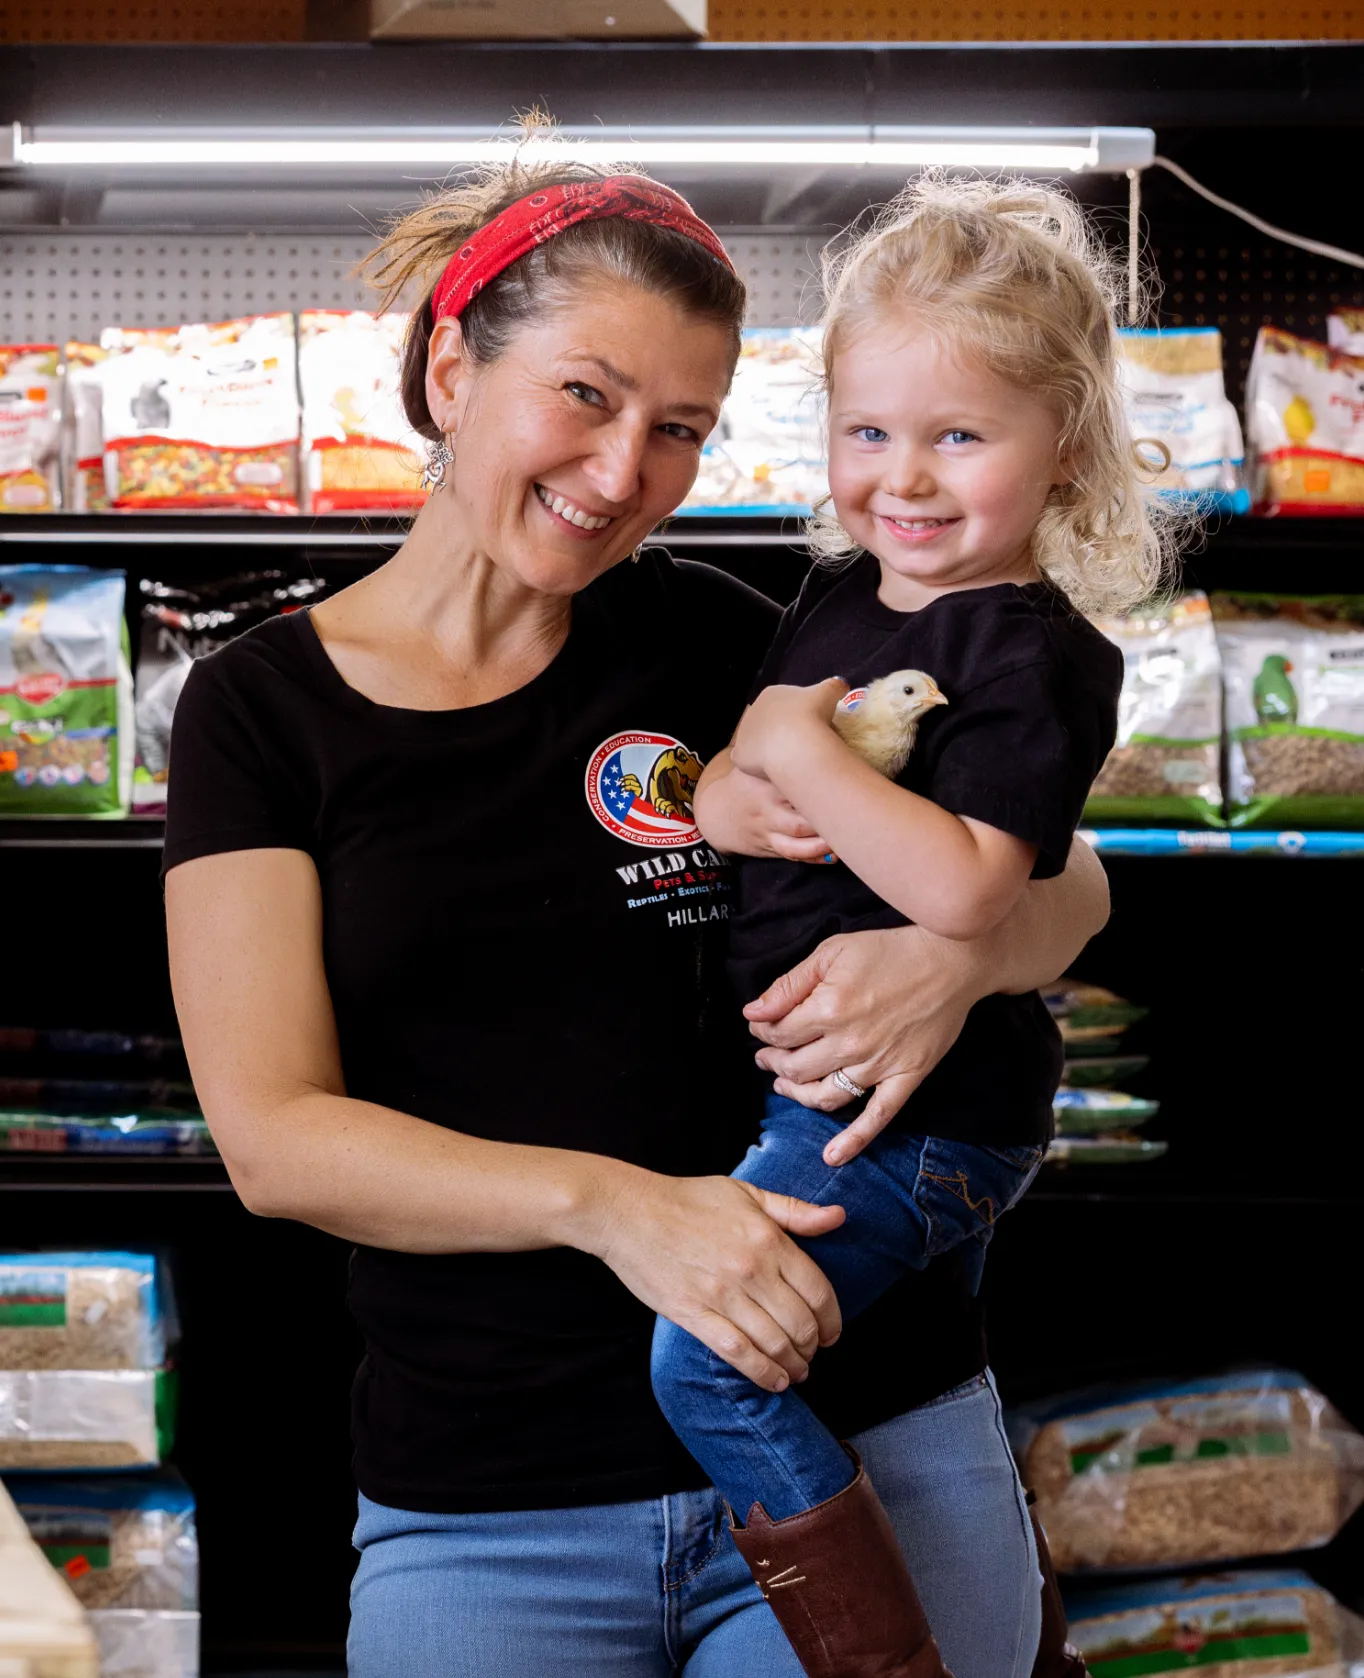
640	787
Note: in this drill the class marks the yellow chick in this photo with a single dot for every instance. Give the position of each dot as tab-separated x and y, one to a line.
880	722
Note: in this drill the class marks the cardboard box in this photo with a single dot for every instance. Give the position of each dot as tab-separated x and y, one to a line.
531	20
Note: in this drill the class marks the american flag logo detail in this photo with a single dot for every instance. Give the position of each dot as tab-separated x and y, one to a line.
851	700
620	780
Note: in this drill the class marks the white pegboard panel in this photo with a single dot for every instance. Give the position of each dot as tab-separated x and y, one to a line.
55	286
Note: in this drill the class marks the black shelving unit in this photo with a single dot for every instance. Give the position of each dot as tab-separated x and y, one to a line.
1240	1244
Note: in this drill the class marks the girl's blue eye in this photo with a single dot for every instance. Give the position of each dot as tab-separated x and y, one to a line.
872	434
960	437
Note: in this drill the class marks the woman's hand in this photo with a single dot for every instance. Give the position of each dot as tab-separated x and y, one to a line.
713	1256
884	1007
774	723
744	815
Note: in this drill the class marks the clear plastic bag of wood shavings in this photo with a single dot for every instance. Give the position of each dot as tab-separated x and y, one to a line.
96	1310
1241	1624
1305	416
79	1419
146	1643
1174	397
202	416
360	453
1179	1474
1166	763
123	1541
1294	677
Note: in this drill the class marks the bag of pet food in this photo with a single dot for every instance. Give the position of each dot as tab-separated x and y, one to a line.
1084	1112
359	452
30	428
65	692
124	1541
1166	763
1305	416
1250	1624
1294	677
1255	1462
180	625
1345	331
767	453
84	425
1173	392
85	1310
202	416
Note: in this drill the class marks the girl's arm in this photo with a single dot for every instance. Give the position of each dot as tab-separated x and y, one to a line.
744	815
950	874
251	994
887	1006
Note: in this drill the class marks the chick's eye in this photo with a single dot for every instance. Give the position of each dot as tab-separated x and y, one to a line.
871	434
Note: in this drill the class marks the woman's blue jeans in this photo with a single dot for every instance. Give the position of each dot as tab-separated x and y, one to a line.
657	1589
908	1199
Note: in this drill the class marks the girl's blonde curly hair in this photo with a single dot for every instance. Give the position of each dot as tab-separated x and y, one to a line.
1012	276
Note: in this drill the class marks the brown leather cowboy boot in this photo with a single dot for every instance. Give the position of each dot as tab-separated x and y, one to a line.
836	1581
1057	1656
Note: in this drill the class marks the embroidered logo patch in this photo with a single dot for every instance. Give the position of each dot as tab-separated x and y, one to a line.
640	787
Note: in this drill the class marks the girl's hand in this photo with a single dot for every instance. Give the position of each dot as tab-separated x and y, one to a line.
774	723
744	815
713	1256
884	1007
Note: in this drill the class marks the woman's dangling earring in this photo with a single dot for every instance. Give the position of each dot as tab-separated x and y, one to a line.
637	555
439	455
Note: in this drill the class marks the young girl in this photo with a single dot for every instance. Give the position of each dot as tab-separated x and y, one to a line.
985	482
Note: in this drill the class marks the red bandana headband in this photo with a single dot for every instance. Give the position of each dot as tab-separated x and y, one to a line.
530	221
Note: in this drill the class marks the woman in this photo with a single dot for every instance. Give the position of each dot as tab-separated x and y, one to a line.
442	939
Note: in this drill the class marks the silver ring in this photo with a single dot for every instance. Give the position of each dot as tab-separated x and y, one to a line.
846	1084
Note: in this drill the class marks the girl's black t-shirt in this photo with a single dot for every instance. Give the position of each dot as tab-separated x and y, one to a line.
1032	710
524	938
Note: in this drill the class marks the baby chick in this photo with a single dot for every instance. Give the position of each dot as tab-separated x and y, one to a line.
880	722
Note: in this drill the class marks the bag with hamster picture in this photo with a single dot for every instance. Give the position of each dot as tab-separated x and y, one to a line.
66	717
202	416
1173	392
1305	416
359	452
1294	679
30	428
1166	762
1345	331
766	455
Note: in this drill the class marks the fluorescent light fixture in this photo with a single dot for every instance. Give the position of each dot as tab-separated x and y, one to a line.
1069	150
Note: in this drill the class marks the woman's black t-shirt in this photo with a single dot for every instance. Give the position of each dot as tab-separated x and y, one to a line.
523	935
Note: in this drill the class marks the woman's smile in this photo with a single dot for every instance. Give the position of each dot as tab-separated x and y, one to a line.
570	514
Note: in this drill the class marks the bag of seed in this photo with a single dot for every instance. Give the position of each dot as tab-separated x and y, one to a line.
1177	1474
359	452
65	692
1173	392
767	453
84	429
180	624
1305	416
1345	331
1294	677
127	1541
30	428
1166	764
202	416
1251	1624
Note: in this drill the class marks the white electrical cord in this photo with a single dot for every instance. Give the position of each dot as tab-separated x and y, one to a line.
1334	252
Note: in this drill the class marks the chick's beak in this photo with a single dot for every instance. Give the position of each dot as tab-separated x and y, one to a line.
935	695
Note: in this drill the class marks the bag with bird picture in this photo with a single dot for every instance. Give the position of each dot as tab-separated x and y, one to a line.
1294	679
1305	418
202	416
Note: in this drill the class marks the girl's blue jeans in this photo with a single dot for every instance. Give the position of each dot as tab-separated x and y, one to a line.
908	1199
656	1589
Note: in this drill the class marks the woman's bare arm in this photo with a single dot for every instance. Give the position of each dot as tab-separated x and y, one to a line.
887	1006
251	993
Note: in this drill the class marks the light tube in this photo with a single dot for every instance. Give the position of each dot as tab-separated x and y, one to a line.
1066	150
